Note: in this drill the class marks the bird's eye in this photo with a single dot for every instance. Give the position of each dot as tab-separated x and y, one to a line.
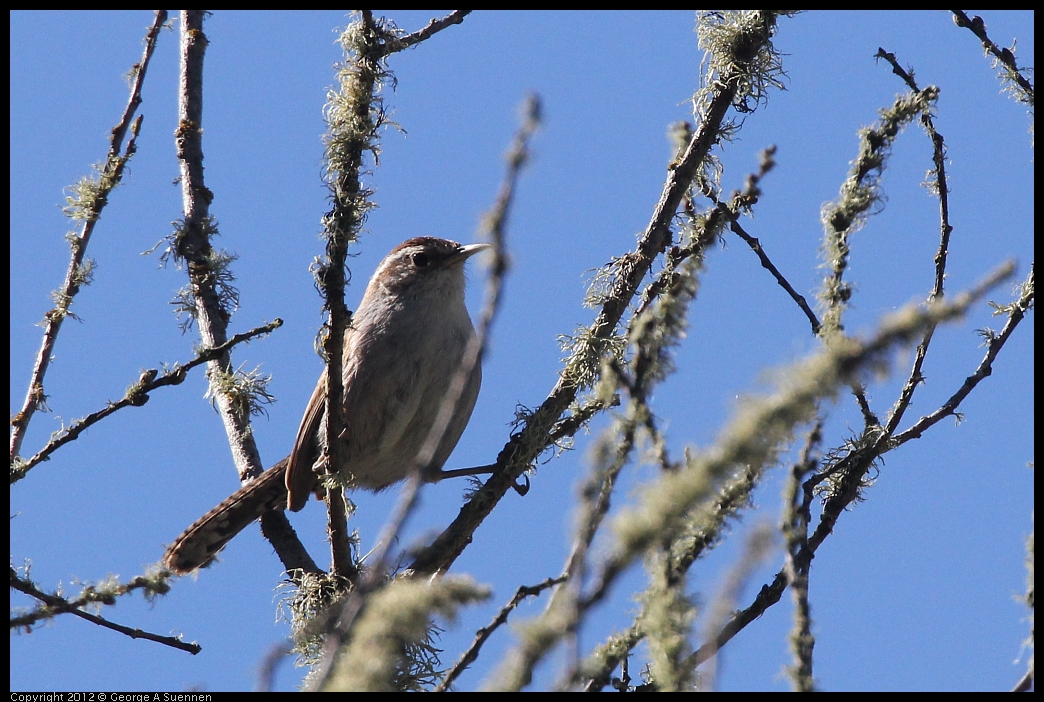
422	259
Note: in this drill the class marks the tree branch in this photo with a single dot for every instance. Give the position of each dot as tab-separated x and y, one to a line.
87	204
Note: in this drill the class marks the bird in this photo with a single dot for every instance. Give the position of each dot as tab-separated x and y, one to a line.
406	343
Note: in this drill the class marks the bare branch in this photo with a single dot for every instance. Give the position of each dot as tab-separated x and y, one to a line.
210	292
994	343
796	517
87	204
939	186
483	634
104	594
433	27
1004	57
136	396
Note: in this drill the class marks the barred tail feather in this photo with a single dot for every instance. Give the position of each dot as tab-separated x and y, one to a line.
198	545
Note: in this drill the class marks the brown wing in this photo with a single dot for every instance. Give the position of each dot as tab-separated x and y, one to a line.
300	480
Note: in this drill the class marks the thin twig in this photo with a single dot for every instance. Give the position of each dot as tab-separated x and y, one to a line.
136	396
568	426
434	26
483	634
595	502
1016	312
269	665
1005	56
859	194
342	563
756	247
939	185
755	550
744	201
354	115
55	605
90	211
352	129
796	518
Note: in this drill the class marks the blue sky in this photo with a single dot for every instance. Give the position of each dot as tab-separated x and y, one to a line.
916	588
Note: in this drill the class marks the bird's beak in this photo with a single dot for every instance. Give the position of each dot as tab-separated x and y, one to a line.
467	251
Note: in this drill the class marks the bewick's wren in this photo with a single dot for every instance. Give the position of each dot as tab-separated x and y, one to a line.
402	351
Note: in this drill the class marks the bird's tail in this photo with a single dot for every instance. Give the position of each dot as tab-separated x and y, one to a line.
198	545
